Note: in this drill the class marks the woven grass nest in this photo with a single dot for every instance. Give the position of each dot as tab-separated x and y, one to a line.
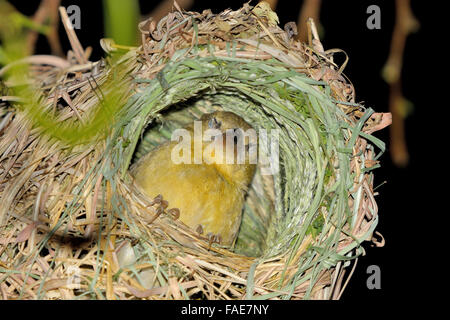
72	223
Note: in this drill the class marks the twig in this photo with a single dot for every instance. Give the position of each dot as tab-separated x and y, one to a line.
405	23
48	9
272	4
165	7
310	9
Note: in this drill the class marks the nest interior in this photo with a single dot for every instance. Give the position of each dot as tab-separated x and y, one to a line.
73	225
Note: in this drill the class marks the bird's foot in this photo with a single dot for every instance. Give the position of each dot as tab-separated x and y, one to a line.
214	238
199	229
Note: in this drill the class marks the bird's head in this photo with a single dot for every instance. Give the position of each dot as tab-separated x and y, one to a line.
239	145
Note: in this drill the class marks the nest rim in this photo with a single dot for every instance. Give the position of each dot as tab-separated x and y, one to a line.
245	270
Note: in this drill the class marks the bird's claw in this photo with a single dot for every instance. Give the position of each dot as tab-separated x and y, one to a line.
214	238
174	213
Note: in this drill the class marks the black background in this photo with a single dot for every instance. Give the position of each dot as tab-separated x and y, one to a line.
400	198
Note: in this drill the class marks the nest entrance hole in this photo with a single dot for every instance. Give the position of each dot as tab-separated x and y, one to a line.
259	205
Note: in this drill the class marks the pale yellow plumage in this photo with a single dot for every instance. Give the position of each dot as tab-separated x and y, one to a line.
210	195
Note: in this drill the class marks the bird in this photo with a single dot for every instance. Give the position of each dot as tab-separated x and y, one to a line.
210	193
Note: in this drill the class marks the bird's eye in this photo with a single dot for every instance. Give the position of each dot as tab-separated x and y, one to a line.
214	124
